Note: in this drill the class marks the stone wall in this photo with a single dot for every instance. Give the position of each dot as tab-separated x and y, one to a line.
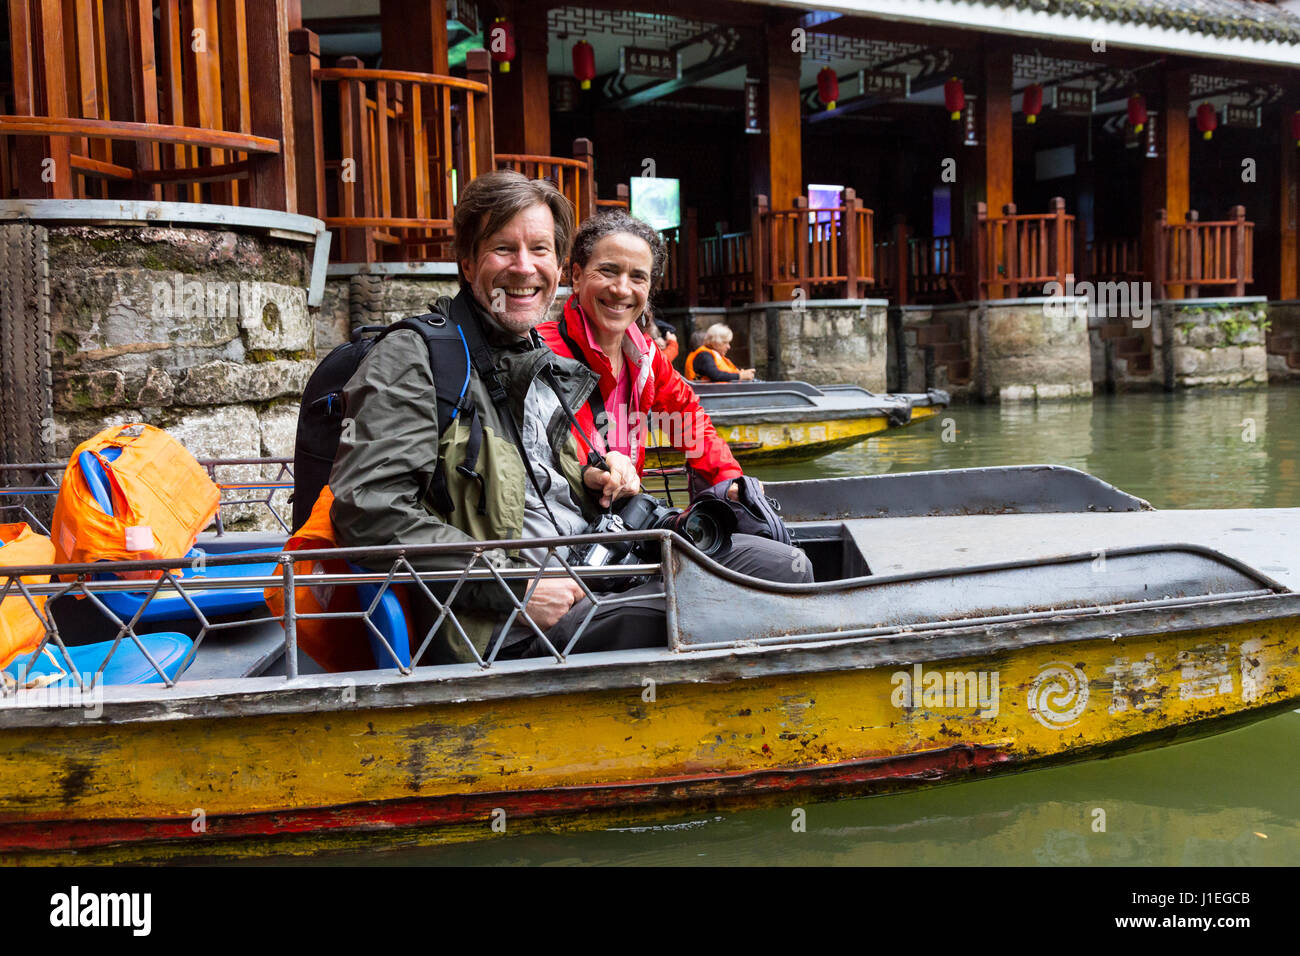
929	347
1214	343
1032	350
1284	341
201	331
825	343
375	299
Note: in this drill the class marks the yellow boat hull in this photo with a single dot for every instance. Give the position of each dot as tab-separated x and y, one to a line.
339	773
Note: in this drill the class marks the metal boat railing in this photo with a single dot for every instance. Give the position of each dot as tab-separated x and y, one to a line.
87	582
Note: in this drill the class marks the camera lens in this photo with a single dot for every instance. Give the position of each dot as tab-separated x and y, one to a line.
703	532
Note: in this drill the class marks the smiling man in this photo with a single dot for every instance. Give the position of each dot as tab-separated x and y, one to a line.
397	480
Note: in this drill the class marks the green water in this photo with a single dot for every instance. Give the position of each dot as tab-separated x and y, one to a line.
1226	800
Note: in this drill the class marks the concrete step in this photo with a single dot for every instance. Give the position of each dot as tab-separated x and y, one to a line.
933	334
959	372
1113	330
1140	363
1130	345
1293	359
1279	343
949	352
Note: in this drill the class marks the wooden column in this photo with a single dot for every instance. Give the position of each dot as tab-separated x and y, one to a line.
478	67
309	141
1288	168
521	99
776	160
414	35
994	109
1165	180
273	183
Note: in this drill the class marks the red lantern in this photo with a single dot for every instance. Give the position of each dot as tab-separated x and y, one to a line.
1137	112
828	86
954	98
1207	121
584	63
1295	127
501	43
1033	102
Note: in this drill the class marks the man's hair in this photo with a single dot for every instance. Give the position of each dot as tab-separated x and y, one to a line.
493	199
717	334
614	221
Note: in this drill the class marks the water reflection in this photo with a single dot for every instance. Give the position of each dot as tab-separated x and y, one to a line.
1205	450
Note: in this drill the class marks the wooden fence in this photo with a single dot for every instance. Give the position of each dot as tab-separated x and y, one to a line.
575	178
931	268
825	253
149	99
1016	250
1192	254
406	141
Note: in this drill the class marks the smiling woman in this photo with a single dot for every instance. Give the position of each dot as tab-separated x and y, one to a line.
616	264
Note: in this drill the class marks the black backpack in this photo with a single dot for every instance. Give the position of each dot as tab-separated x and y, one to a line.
321	415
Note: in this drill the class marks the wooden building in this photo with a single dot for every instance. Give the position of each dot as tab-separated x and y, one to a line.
969	152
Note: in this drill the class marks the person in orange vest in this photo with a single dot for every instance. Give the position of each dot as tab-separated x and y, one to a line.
709	363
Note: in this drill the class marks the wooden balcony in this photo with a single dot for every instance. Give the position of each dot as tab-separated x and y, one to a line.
920	269
148	99
823	253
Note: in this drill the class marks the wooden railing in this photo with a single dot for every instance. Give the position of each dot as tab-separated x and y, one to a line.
931	268
1014	250
575	177
405	142
713	270
149	99
825	253
1114	260
621	199
1192	254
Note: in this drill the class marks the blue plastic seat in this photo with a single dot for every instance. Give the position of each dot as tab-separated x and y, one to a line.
390	619
173	607
127	665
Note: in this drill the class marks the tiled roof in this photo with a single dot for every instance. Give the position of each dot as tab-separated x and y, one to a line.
1245	19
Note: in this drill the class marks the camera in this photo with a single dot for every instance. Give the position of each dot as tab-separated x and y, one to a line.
707	524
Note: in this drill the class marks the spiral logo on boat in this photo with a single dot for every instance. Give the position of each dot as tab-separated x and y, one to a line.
1058	695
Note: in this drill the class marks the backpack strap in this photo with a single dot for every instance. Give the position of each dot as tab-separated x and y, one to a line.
445	340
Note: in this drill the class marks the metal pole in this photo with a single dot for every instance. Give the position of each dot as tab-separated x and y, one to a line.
290	621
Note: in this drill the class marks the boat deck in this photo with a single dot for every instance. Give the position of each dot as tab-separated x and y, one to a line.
1266	540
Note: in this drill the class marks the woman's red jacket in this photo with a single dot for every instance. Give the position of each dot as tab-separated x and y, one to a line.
664	390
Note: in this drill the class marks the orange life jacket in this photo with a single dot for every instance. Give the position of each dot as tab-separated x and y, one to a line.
162	498
724	364
337	644
21	629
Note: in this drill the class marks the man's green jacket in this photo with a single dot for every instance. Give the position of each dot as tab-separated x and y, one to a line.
386	461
